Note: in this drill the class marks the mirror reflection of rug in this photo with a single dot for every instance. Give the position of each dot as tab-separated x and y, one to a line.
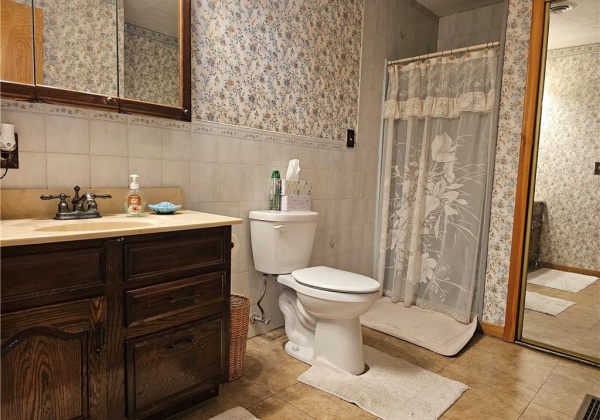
390	389
546	304
562	280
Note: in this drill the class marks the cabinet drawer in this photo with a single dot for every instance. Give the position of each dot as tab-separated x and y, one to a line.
175	256
71	273
148	303
168	365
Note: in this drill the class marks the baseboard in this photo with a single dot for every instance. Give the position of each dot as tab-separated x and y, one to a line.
568	269
493	329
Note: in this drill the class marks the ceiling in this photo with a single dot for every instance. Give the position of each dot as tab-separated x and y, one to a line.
443	8
157	15
579	26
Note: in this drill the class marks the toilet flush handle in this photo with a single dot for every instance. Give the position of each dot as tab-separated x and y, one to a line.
280	228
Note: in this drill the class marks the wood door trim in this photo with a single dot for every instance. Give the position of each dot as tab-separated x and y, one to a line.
492	329
525	162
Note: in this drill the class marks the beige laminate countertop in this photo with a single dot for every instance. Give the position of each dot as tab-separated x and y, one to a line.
39	231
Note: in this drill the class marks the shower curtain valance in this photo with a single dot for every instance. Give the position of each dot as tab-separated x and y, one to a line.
443	87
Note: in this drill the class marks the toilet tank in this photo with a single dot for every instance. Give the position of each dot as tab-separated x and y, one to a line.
282	241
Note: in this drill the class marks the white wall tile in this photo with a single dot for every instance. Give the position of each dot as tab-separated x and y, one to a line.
204	147
144	141
335	184
321	158
67	170
109	172
333	213
336	160
347	209
245	254
176	144
205	207
251	152
31	172
289	152
307	157
204	181
149	170
347	190
176	173
320	206
254	184
321	184
333	241
245	208
67	135
229	150
30	127
229	183
344	240
319	245
108	138
271	154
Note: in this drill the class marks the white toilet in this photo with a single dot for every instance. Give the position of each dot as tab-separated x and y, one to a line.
321	305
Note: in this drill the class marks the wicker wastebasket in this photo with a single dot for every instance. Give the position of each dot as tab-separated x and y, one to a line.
239	309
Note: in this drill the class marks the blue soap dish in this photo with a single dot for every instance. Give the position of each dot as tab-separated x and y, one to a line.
164	208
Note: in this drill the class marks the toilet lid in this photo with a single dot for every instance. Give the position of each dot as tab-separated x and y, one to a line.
327	278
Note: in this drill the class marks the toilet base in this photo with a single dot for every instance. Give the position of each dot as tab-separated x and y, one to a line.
339	342
304	354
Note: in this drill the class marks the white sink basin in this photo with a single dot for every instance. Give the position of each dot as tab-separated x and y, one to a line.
86	226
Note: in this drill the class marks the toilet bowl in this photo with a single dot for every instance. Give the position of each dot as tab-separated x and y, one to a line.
321	305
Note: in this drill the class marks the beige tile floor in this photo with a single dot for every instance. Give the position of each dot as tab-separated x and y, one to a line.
507	382
576	329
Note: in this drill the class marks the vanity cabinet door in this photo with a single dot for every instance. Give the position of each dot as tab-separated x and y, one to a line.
173	365
53	366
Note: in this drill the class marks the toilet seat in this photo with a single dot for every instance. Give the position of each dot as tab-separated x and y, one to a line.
333	280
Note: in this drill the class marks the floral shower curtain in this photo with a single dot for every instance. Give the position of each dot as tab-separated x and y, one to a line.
437	168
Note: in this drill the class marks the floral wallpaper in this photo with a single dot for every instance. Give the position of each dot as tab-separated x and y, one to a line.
568	148
290	66
151	66
514	73
79	45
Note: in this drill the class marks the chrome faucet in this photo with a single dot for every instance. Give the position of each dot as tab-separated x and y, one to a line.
78	202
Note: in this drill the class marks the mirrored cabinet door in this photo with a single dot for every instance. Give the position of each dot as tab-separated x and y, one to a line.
130	56
79	45
151	51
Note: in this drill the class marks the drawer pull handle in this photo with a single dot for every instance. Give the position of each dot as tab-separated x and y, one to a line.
182	297
180	344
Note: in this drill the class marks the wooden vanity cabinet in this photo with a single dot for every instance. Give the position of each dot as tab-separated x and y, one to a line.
121	327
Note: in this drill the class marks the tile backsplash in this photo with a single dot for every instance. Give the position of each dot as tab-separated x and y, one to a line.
221	168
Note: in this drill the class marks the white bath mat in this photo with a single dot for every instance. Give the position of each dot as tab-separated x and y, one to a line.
562	280
546	304
391	389
237	413
432	330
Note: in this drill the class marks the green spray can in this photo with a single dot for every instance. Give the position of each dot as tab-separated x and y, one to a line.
275	191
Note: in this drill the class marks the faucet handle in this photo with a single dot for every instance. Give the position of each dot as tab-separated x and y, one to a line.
62	196
63	207
102	196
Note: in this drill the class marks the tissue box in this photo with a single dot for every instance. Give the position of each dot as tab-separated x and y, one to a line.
296	188
295	202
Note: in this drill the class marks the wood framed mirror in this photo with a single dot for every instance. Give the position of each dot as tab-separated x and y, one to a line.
84	55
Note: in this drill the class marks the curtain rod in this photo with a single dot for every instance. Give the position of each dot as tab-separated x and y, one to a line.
446	52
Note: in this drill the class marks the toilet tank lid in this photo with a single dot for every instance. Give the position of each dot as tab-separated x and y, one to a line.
283	216
328	278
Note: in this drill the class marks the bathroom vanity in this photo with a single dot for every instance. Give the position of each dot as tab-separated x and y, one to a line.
114	321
